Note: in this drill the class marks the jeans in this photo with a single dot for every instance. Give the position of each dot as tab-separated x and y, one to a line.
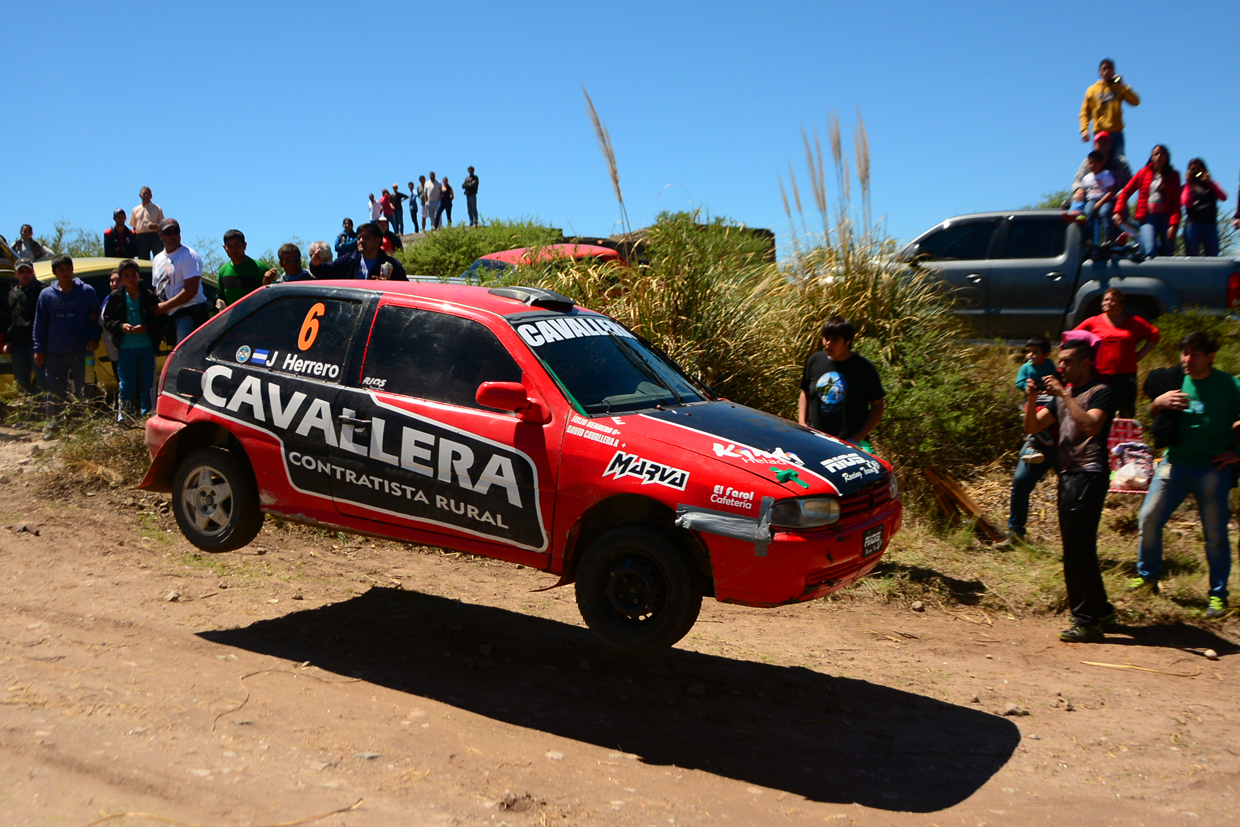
444	207
1171	486
414	206
1154	235
56	368
23	367
398	220
471	202
1024	481
1099	219
1081	498
183	325
1199	234
135	370
1117	143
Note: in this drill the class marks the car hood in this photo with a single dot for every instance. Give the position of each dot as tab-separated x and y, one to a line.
801	460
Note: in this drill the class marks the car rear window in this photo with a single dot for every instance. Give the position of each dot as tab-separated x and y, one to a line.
304	335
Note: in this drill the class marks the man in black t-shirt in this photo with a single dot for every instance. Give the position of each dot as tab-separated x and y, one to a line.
1084	413
841	393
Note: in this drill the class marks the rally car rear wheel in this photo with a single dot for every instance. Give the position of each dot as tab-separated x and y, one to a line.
636	590
215	500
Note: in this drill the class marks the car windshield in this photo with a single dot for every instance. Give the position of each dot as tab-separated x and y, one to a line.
484	269
605	369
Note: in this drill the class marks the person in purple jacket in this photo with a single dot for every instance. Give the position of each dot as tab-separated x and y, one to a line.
66	329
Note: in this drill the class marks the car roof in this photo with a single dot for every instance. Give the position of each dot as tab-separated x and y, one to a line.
480	298
85	267
525	255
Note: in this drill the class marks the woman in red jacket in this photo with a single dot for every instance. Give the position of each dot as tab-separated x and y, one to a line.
1116	363
1157	186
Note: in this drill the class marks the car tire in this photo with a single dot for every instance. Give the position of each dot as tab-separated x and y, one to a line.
215	500
637	591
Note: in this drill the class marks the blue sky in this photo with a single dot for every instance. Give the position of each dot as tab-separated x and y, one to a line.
279	118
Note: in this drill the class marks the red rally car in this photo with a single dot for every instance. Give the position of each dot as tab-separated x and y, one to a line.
512	424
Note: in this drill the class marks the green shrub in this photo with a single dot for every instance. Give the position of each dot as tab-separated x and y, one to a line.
448	251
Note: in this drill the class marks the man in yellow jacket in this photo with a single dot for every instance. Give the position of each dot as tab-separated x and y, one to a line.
1102	106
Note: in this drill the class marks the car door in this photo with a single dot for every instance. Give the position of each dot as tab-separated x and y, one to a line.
418	450
959	252
1030	276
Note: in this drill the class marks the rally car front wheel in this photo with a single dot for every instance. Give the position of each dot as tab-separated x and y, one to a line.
636	590
215	500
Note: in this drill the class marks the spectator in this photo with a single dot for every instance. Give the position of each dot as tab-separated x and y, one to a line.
27	247
1209	405
1084	416
431	216
1039	453
398	210
366	262
145	220
385	205
1112	162
415	204
445	202
391	241
470	187
841	393
177	272
346	242
290	263
66	328
240	275
1200	198
19	327
1103	106
130	315
424	196
118	240
1099	197
109	345
1158	203
375	209
1116	362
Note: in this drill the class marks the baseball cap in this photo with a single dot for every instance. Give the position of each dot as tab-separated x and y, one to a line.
23	263
1102	134
169	225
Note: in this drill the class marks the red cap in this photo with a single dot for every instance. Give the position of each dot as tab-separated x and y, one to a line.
1098	135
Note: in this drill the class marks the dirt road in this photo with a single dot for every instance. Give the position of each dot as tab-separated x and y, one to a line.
312	671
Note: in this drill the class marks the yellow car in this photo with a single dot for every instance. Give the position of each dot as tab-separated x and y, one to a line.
95	272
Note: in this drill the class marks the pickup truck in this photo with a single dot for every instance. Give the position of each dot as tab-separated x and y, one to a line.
1027	273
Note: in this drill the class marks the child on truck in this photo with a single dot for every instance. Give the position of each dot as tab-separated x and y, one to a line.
1099	196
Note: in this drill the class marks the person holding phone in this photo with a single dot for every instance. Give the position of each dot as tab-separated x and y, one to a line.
1200	198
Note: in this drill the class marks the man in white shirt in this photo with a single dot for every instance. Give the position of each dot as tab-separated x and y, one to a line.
177	274
145	220
431	190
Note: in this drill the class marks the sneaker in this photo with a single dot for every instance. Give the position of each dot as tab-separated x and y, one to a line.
1010	542
1082	633
1031	456
1216	607
1109	623
1139	583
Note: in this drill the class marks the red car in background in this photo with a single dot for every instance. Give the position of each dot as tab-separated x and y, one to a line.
493	264
512	424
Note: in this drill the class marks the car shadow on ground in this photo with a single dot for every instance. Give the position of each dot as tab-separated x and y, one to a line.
828	739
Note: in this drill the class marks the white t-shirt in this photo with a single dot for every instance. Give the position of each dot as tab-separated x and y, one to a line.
432	190
170	272
375	210
1098	184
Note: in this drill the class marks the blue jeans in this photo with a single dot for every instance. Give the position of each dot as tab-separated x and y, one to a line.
56	368
182	326
1171	486
23	367
471	201
398	220
1024	481
1154	235
135	370
1099	219
1117	143
444	207
1199	234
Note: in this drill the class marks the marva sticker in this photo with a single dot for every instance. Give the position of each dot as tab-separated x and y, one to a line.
243	354
648	471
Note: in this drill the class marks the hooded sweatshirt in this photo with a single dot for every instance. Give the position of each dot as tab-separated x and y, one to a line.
1102	105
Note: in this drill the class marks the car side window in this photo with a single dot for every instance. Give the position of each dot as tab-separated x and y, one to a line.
1039	238
303	335
958	242
434	356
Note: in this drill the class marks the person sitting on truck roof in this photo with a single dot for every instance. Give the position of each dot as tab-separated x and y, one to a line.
1157	185
1112	162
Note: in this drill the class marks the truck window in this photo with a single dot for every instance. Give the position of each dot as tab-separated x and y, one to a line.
434	356
959	242
1035	239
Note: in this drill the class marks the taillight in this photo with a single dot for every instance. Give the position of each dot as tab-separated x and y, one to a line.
1233	290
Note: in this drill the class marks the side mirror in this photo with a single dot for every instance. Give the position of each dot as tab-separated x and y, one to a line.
513	397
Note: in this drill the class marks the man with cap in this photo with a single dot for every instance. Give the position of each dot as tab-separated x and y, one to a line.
145	220
66	328
19	327
177	274
118	240
240	275
368	261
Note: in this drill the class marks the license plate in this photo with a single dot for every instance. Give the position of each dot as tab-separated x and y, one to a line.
872	541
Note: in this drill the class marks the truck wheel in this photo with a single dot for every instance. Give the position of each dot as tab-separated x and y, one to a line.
636	591
215	500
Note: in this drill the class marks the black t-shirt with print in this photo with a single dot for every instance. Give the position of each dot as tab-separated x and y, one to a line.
839	394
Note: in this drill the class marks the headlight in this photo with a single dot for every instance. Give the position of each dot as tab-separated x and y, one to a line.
895	487
805	512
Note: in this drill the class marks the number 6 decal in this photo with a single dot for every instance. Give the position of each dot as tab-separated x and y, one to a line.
310	327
